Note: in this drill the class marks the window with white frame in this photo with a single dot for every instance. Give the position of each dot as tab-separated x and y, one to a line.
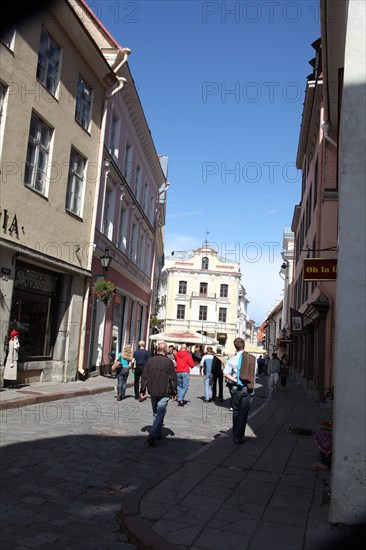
128	167
75	183
108	212
122	230
152	209
182	287
202	313
147	266
3	90
48	62
83	103
204	263
203	289
38	154
222	314
142	251
146	194
133	244
138	182
181	311
7	37
224	291
114	135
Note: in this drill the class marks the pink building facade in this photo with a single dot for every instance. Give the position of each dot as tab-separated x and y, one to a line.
315	227
129	221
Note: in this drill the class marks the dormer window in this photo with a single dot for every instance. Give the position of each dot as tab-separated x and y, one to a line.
204	264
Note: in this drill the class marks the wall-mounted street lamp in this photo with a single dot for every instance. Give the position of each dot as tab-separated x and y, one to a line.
106	260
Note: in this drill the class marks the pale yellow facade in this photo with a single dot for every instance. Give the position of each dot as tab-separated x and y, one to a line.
50	153
200	291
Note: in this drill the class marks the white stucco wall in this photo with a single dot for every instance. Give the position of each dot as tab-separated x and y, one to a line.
348	501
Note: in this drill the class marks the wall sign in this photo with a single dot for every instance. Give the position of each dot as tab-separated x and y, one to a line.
319	269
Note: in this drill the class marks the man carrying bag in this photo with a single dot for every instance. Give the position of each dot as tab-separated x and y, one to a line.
240	371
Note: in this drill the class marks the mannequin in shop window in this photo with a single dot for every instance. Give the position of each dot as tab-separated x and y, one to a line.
11	364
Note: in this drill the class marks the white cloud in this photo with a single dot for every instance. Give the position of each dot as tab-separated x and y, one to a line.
185	214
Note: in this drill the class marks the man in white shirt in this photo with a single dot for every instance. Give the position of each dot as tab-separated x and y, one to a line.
241	395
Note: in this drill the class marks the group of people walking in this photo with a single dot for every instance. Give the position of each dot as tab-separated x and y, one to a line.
275	368
165	376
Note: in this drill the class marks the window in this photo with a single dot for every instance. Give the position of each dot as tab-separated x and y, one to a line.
38	152
122	240
83	103
34	306
107	223
148	259
75	183
133	245
138	182
204	264
203	313
48	62
7	37
222	314
114	137
224	291
142	252
146	192
3	90
203	289
127	171
182	288
181	311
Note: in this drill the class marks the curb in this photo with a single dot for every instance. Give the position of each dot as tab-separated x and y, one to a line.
131	522
44	398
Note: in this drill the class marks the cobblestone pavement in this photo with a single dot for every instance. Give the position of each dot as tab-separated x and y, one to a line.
68	465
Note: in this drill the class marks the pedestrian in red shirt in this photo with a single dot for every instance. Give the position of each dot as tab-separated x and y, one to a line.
184	363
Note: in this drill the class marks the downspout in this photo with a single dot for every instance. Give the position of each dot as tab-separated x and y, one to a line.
81	360
326	124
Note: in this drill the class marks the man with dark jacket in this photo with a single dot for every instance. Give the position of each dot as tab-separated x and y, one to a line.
160	379
139	359
218	364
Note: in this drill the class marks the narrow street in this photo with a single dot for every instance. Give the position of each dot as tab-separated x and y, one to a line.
68	465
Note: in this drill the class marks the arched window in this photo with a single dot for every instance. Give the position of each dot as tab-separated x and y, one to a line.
204	264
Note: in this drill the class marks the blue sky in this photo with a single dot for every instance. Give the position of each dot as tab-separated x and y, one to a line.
222	87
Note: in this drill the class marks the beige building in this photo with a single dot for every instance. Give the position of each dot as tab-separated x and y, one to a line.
202	292
53	81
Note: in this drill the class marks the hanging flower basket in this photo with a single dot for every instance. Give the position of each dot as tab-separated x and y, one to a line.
103	291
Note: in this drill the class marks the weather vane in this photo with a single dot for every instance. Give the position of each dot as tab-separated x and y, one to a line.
207	233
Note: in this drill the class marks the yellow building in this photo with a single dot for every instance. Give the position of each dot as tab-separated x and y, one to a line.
202	292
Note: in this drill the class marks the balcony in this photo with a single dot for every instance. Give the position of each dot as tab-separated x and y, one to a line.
203	296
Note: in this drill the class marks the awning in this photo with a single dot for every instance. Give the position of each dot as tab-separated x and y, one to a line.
185	337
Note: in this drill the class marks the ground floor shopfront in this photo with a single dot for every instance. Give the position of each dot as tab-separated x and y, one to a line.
312	350
124	319
42	298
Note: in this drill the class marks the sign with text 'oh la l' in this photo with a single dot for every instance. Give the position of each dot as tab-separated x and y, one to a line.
319	269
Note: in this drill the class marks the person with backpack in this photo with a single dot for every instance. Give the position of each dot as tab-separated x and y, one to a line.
122	366
241	392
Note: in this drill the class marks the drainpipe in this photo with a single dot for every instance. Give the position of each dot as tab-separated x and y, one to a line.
325	125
